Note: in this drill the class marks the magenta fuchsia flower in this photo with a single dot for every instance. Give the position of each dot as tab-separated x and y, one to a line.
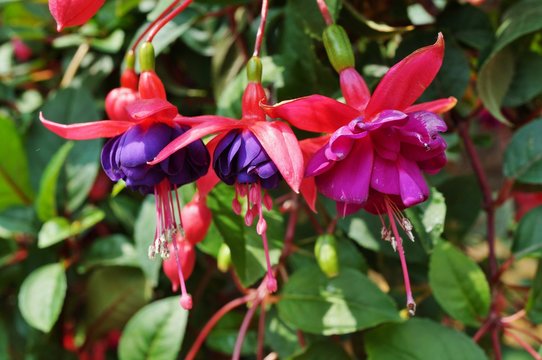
380	145
135	140
252	154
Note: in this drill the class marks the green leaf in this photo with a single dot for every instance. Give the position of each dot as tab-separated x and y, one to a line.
459	285
534	304
224	335
527	237
144	233
113	295
113	250
323	350
46	206
54	231
280	336
428	219
523	156
468	24
14	180
4	341
420	339
155	332
17	220
344	304
42	295
525	85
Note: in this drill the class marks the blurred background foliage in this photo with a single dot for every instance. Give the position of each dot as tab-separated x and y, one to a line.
75	280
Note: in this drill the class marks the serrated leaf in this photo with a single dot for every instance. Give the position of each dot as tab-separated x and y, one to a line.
344	304
420	339
14	180
523	156
42	295
155	332
459	285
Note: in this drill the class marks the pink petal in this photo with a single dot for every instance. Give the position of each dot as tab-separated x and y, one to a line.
207	182
73	12
196	120
345	209
308	185
414	189
280	143
407	80
195	133
385	176
354	89
315	113
438	106
145	108
87	131
349	179
308	191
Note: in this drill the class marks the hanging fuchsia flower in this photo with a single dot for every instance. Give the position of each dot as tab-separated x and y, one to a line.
252	154
73	12
381	144
118	98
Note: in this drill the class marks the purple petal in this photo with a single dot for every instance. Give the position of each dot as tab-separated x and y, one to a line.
319	163
414	189
385	176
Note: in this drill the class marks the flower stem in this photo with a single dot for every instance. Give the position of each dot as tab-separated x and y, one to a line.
211	323
153	23
523	344
163	22
261	333
325	12
261	28
243	330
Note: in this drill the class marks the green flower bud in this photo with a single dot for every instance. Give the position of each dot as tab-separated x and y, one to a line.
327	255
254	69
130	60
146	57
223	258
338	48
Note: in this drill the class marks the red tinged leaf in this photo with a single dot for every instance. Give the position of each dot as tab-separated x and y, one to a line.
280	143
314	113
438	106
73	12
196	133
405	82
87	131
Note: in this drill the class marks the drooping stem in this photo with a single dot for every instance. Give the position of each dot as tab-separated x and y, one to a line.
496	343
410	303
243	330
261	333
325	12
163	22
261	28
153	23
524	345
211	323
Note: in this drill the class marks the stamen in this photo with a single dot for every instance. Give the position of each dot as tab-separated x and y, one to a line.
410	303
186	299
267	201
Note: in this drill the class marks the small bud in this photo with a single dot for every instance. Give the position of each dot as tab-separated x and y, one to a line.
327	255
223	259
338	48
254	69
196	218
146	57
116	102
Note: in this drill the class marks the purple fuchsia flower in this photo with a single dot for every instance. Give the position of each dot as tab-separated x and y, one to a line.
380	145
252	154
135	140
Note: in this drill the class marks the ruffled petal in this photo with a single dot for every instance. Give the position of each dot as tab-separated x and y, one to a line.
348	180
438	106
280	143
407	80
315	113
87	131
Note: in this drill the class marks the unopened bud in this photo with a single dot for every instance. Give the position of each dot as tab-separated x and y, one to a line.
223	259
338	48
327	255
254	69
146	57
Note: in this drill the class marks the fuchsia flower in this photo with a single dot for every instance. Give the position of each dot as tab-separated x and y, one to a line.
252	154
144	127
381	144
73	12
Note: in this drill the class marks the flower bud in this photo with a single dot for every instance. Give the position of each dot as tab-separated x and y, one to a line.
146	57
73	12
21	51
326	254
187	258
196	217
254	69
116	101
338	48
223	259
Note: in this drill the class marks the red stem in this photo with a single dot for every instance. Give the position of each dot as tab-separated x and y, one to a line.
153	23
261	333
523	344
211	323
482	330
243	330
167	19
325	12
495	342
261	28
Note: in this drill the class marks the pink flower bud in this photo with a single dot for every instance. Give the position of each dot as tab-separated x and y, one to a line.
21	51
116	101
196	218
73	12
187	258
